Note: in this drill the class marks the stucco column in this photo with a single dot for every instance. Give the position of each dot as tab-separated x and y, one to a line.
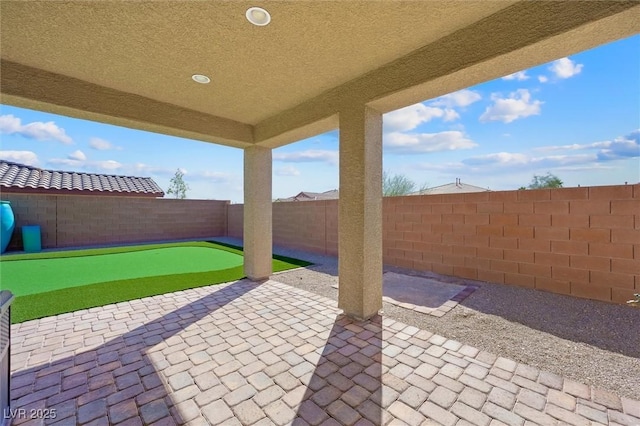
257	213
360	212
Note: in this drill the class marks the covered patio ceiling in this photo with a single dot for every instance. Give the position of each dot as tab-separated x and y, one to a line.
130	63
317	65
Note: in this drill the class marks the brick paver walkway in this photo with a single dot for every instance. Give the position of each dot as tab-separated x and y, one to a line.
267	354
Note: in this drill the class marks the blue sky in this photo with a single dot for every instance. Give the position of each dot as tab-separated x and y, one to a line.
577	117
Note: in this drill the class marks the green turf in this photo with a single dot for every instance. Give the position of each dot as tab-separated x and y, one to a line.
42	275
29	305
117	249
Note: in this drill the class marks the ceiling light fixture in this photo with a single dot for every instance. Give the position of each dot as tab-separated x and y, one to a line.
258	16
202	79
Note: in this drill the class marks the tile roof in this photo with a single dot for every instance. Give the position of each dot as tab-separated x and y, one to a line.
16	177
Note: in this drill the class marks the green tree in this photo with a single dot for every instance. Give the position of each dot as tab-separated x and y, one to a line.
178	187
395	185
547	181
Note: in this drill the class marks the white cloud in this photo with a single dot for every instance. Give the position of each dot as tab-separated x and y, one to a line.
308	156
542	79
627	146
98	166
560	161
461	98
108	165
518	105
101	144
215	177
77	155
37	130
411	117
571	147
565	68
508	162
589	167
142	168
287	171
450	115
408	118
519	76
10	124
620	148
23	157
403	143
498	158
67	162
451	168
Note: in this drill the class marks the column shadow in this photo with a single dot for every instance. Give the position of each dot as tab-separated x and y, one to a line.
346	384
119	380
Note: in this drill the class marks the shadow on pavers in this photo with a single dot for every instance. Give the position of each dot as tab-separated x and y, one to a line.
119	377
347	380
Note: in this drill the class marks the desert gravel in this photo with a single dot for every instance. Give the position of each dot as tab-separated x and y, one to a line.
592	342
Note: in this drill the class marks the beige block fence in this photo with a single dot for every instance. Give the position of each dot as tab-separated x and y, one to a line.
75	221
578	241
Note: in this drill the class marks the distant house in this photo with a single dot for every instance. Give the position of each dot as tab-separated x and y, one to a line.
20	178
456	187
311	196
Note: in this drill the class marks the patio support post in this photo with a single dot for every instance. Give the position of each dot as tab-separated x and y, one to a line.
257	213
360	212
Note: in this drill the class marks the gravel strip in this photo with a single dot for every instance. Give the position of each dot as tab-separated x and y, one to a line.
592	342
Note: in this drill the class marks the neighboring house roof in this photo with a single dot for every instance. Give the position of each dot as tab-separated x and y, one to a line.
21	178
451	188
310	196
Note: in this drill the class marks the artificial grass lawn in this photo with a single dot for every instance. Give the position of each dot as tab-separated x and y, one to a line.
41	275
52	283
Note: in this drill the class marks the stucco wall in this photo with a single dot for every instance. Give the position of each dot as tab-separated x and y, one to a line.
95	220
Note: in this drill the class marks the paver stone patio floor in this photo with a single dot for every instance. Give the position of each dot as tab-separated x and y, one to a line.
262	354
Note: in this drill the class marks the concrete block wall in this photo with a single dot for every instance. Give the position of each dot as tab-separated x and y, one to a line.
300	225
331	227
68	221
310	226
37	210
579	241
235	221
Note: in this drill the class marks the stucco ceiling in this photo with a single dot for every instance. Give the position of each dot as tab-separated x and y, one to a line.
130	63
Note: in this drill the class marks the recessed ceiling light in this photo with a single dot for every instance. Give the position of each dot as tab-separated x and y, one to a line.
258	16
199	78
